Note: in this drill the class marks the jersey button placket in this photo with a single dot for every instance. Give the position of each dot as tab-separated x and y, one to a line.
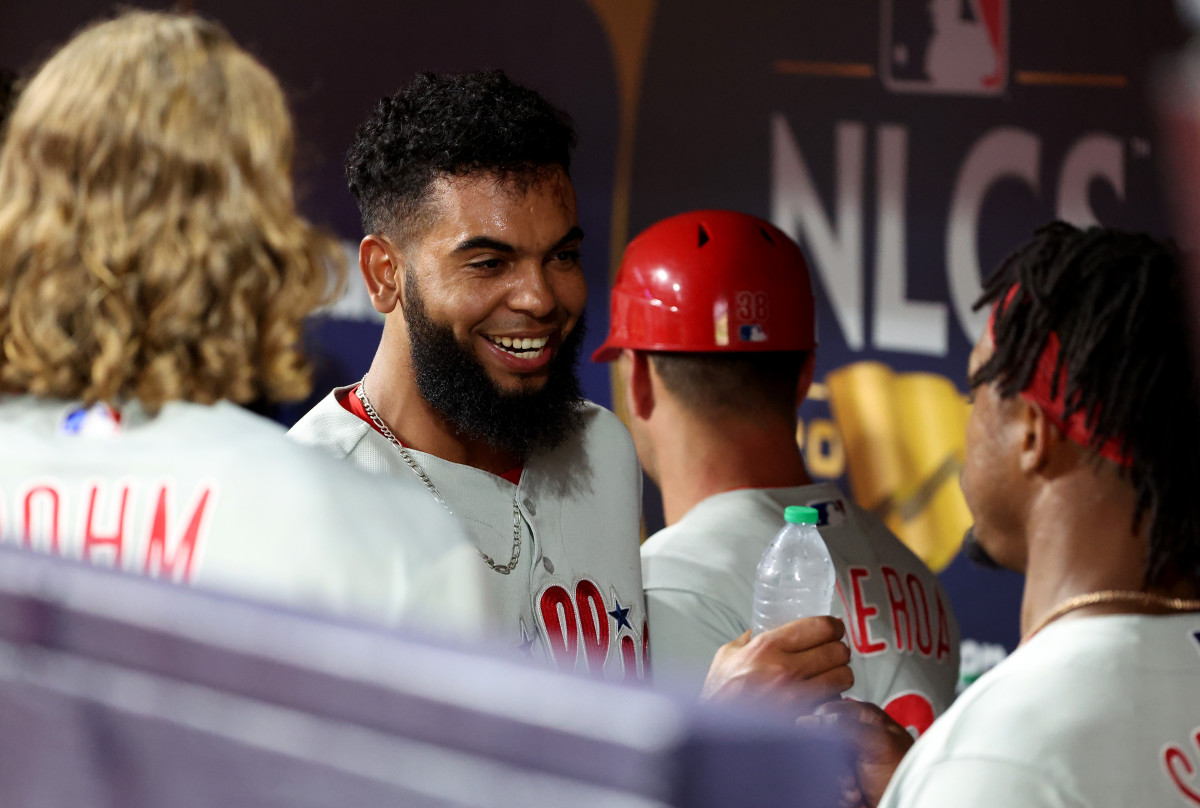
528	511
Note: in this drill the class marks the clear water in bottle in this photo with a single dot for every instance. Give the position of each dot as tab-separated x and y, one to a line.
795	576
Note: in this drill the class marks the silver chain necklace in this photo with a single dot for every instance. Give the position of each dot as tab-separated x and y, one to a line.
503	569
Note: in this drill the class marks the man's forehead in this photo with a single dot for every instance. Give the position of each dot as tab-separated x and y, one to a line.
528	212
473	192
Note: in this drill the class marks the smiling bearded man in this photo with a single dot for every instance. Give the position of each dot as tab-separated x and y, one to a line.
472	254
456	384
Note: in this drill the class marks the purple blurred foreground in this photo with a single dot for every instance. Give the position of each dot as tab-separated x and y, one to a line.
121	691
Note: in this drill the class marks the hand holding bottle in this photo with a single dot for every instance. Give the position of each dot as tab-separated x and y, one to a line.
799	666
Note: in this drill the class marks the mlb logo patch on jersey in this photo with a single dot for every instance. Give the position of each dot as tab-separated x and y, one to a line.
945	46
830	513
96	421
752	333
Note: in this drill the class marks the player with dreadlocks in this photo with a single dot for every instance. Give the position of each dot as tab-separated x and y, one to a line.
1100	296
1082	463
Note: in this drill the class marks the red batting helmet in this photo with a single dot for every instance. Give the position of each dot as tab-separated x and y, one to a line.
714	281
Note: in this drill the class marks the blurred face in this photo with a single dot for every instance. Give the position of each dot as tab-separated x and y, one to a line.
992	482
500	267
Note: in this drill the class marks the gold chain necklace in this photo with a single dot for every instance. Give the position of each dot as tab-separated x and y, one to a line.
503	569
1143	599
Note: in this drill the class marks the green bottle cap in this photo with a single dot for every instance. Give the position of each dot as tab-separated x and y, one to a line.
800	515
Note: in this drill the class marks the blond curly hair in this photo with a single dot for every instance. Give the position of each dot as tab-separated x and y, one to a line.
150	247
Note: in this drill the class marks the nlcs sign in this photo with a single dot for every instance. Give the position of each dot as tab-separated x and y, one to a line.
834	237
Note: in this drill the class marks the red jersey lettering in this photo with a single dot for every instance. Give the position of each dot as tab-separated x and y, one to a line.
923	628
851	629
863	612
178	566
569	625
562	627
1181	771
93	538
629	658
911	710
895	590
943	631
593	622
48	494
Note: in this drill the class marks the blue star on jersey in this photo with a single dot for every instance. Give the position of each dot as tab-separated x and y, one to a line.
621	616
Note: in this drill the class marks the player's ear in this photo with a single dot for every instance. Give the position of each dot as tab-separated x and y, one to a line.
1039	435
639	388
382	267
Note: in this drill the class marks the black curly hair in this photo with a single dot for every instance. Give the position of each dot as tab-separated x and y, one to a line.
450	124
1116	301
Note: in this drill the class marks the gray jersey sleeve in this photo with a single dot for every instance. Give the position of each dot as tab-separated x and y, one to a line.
980	783
686	631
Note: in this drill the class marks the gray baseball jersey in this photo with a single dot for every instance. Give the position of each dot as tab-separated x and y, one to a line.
699	578
218	497
1095	711
575	598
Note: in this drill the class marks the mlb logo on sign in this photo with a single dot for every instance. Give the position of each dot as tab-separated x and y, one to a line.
945	46
752	333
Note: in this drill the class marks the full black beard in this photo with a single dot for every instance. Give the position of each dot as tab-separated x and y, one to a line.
975	552
455	384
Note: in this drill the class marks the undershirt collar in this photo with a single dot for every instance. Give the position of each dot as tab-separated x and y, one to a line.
351	404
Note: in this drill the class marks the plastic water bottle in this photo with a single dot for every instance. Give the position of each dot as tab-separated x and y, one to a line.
795	576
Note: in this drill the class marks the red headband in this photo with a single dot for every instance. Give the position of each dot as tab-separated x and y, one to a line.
1038	391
